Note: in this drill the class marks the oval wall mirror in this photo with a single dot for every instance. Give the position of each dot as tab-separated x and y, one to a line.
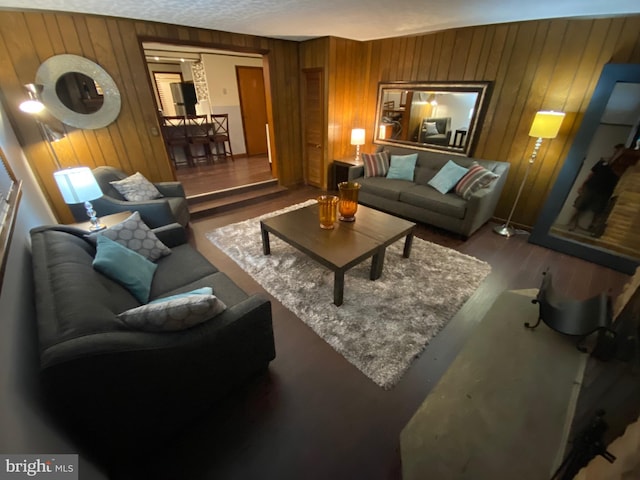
78	92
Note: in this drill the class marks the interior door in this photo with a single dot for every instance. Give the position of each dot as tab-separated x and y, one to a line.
253	107
313	125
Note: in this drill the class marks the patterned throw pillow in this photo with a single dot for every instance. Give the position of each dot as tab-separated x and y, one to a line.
376	164
136	188
175	314
447	177
134	234
476	178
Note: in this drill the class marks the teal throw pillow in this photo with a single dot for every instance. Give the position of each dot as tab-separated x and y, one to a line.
173	315
402	167
197	291
447	177
128	268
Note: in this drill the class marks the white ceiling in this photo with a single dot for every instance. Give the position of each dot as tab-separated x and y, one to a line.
354	19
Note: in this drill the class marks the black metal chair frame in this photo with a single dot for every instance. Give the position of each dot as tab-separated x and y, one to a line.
573	317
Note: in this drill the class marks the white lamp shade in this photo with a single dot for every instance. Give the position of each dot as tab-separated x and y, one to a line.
357	136
546	124
77	185
31	106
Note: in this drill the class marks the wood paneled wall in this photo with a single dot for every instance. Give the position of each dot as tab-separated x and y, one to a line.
536	65
548	64
132	142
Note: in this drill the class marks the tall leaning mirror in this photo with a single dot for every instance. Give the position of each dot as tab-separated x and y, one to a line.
593	211
440	116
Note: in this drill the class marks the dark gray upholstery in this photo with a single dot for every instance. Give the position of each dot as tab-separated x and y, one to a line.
171	208
420	202
443	125
114	383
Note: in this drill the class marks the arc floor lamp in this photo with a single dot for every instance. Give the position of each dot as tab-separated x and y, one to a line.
546	124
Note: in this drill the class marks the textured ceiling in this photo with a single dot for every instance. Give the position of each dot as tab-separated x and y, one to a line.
354	19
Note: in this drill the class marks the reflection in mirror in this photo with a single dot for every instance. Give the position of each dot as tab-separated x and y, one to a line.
79	92
603	205
605	226
430	116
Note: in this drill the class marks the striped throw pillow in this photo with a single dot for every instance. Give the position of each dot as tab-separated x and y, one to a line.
375	164
476	178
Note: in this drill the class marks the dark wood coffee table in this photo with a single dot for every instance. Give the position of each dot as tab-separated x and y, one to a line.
348	244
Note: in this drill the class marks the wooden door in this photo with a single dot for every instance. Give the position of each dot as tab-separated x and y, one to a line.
313	126
253	108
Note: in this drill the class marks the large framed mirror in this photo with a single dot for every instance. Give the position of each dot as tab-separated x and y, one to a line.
440	116
593	210
78	92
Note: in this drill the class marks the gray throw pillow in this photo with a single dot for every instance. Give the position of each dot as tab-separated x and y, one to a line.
134	234
175	314
136	188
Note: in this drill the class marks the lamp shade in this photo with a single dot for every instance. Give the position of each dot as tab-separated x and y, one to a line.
357	136
77	185
546	124
33	104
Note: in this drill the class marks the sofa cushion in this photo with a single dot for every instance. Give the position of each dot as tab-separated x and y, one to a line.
375	164
173	314
136	188
402	167
426	197
383	187
128	268
134	234
477	177
183	267
447	177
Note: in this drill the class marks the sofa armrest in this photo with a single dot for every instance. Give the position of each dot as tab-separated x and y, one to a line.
117	385
170	189
155	213
171	235
482	204
354	172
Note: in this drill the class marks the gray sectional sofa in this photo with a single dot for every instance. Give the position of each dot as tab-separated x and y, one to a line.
422	203
112	383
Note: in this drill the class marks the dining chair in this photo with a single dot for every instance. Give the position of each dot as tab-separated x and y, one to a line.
199	134
219	135
174	131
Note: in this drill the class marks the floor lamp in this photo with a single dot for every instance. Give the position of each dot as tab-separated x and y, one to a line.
545	125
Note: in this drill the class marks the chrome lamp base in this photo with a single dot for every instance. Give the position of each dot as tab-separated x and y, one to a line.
505	230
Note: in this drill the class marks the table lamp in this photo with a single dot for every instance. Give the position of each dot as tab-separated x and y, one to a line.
545	125
357	139
78	185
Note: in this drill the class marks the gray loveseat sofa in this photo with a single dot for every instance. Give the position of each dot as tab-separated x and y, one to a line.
420	202
113	384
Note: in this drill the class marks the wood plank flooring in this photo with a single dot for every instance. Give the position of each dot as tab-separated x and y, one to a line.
314	415
223	173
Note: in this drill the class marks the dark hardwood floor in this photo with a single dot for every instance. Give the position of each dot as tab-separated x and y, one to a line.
221	174
314	415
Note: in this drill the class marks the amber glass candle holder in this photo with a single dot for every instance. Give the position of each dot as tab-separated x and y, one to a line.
348	204
327	206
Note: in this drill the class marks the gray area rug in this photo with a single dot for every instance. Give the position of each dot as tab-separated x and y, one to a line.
382	325
504	407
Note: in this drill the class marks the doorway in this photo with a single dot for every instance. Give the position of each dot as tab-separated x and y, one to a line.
219	89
